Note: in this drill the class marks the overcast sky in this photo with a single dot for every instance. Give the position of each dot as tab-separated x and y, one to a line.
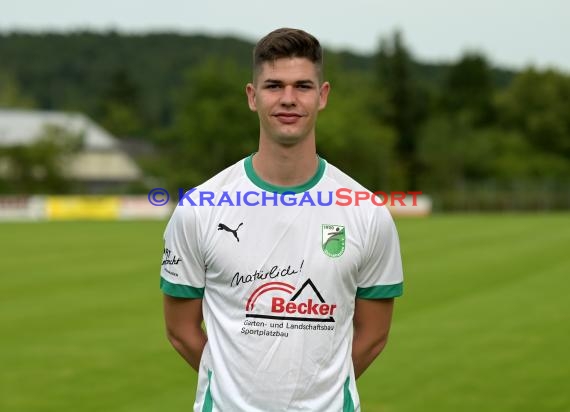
511	33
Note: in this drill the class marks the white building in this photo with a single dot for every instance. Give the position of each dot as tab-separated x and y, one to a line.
99	165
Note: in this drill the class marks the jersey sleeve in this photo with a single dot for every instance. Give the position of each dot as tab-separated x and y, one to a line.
182	273
381	275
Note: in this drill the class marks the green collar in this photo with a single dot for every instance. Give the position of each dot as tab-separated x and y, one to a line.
268	187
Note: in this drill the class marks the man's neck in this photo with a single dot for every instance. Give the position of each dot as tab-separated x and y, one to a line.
286	165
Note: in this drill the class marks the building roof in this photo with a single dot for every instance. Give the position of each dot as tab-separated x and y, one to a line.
99	159
22	127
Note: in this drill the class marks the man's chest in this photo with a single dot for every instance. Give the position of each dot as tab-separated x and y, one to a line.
280	260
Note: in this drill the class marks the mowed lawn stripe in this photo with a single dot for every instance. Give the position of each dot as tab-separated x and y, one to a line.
487	335
86	333
468	257
483	324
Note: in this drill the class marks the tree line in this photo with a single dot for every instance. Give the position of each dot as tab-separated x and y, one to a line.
466	132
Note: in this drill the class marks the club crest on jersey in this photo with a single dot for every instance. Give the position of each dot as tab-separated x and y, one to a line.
333	240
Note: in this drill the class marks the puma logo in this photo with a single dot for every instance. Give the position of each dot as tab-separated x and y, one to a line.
221	226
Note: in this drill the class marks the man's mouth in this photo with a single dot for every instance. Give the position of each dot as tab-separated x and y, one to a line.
287	118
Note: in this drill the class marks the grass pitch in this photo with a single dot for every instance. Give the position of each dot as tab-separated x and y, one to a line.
484	323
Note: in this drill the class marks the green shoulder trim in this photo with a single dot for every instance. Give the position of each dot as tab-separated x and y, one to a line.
180	291
268	187
381	292
208	401
347	405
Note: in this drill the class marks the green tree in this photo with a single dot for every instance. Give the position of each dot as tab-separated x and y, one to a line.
10	93
538	106
40	166
213	125
120	106
468	89
350	136
455	154
406	103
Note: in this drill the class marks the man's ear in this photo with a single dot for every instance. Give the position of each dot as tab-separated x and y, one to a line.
324	95
250	91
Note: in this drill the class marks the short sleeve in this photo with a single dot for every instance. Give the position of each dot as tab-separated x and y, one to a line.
182	271
381	275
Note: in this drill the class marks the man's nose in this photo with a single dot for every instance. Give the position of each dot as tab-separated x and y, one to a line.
288	96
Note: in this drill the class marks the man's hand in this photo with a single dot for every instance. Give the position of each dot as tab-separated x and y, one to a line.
371	322
183	318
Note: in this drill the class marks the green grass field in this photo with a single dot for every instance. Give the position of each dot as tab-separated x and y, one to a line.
484	324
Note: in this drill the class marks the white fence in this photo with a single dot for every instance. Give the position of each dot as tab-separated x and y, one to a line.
29	208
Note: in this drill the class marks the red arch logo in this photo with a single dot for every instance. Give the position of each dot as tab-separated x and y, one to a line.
282	286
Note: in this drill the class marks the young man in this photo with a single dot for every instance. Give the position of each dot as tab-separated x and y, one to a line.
296	297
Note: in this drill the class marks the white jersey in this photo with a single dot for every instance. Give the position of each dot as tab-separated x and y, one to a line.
278	282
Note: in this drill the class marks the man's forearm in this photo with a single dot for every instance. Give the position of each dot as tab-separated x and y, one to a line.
364	351
190	346
371	327
183	318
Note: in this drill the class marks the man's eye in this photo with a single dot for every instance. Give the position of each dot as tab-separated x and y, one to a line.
272	86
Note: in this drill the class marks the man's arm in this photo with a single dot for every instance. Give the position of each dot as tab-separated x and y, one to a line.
183	318
372	318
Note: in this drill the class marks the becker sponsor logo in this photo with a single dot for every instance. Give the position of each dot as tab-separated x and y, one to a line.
280	300
169	258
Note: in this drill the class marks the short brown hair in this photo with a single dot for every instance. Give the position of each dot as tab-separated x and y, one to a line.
286	42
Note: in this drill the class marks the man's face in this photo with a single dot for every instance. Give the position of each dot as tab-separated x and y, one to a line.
287	97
